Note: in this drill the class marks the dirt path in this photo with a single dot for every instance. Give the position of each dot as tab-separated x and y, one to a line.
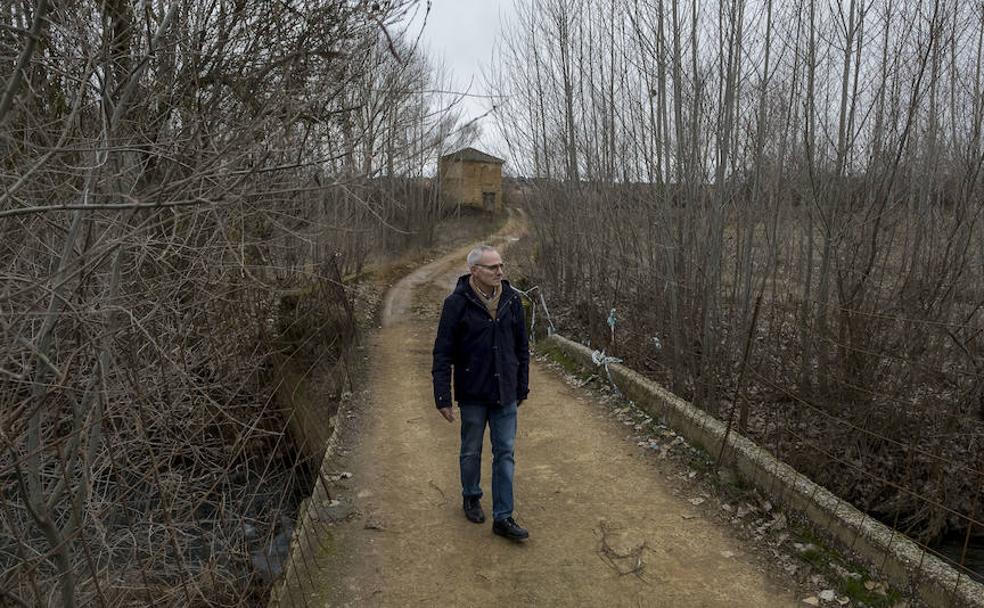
605	530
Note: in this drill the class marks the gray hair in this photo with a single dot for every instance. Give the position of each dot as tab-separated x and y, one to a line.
475	255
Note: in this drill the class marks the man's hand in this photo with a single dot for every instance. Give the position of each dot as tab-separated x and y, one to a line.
448	413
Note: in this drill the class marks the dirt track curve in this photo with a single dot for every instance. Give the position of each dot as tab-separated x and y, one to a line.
605	530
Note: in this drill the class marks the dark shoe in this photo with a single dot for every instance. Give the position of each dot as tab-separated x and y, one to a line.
509	529
473	509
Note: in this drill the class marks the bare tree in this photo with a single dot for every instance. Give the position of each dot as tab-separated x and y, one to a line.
825	156
185	189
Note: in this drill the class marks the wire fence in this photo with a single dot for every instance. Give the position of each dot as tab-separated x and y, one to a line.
798	430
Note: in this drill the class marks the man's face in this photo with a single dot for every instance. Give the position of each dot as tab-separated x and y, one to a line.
489	271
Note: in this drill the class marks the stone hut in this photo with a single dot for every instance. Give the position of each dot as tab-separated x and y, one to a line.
473	178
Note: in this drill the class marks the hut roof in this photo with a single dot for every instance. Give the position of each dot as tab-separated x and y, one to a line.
471	154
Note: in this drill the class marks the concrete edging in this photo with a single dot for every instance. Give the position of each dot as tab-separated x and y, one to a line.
900	559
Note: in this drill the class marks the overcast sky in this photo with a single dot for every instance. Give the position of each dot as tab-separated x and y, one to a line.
462	34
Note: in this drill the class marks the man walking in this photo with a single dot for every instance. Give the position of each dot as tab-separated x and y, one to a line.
482	336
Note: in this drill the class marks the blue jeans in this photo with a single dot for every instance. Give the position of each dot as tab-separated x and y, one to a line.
502	432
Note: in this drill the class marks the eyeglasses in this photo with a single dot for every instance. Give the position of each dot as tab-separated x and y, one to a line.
493	267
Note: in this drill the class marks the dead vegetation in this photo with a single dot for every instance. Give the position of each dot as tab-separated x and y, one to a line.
184	189
690	164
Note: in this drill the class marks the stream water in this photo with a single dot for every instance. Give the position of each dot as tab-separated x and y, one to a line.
951	547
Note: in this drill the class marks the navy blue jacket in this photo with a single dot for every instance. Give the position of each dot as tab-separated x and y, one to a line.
491	358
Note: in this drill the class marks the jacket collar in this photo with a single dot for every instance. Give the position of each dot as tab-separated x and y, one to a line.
464	289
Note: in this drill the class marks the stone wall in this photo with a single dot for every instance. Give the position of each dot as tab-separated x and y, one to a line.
465	182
